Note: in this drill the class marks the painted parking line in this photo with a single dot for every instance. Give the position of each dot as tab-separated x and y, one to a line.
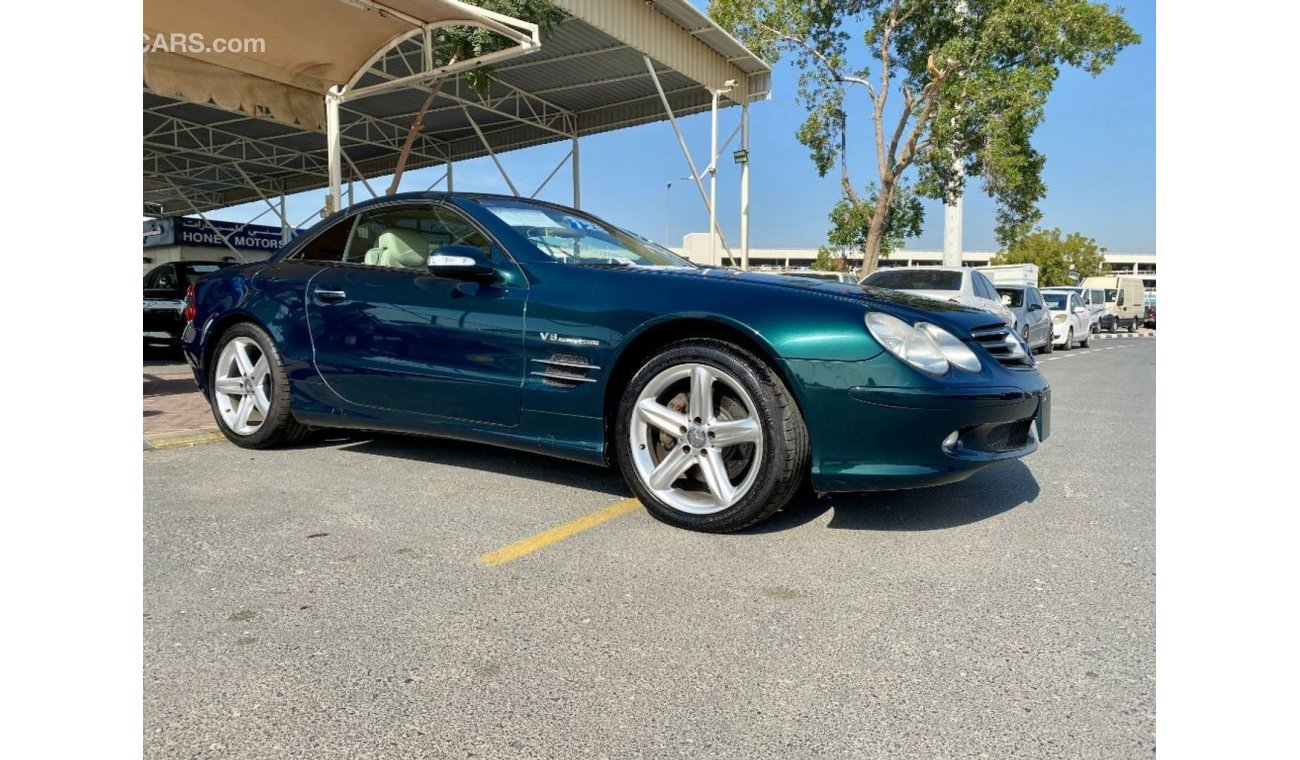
558	533
182	438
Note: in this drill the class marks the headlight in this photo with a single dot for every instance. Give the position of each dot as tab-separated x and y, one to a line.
929	348
956	352
1059	318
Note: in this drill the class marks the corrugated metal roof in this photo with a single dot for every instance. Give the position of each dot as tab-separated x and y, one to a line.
589	77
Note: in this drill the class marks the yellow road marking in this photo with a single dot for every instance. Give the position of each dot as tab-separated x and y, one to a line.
183	438
558	533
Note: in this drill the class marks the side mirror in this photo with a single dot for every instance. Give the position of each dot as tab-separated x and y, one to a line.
1080	310
460	262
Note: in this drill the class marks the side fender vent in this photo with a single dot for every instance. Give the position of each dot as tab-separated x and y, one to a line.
564	370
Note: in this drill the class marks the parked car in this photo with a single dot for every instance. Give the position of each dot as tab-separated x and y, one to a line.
1125	302
961	285
164	291
1151	311
1069	318
542	328
814	274
1033	322
1094	299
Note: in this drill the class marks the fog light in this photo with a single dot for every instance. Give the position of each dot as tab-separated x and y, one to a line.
950	442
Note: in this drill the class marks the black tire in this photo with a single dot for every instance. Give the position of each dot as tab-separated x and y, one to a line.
783	462
1086	341
1069	341
1048	347
279	428
1133	326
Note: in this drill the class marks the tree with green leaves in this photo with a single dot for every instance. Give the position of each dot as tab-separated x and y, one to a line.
969	80
1056	256
457	43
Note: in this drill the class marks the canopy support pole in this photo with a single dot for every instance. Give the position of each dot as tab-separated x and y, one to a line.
554	172
488	147
744	185
333	201
577	176
681	141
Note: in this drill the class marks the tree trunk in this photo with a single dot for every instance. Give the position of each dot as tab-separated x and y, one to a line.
417	124
876	231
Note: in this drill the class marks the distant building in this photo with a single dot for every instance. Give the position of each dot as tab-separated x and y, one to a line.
695	246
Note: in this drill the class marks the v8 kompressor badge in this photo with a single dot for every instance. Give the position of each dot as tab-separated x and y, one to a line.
551	337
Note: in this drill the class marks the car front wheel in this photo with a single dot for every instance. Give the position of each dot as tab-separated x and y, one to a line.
709	438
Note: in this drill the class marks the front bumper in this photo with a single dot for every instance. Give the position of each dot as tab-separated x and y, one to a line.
873	438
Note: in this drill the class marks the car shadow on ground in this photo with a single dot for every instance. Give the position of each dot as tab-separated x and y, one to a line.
490	459
988	493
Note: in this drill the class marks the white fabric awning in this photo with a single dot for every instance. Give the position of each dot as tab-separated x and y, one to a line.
289	52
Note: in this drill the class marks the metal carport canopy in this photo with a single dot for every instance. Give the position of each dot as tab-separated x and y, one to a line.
225	129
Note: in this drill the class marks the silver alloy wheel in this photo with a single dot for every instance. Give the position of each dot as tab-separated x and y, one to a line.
703	458
242	386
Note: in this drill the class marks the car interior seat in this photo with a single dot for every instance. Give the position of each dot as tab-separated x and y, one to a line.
399	248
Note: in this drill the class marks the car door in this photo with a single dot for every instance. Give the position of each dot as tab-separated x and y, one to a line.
396	337
1078	316
1036	317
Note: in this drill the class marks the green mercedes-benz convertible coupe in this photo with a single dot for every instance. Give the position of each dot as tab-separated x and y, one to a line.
515	322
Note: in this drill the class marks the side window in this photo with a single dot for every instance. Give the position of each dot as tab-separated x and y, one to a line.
404	238
1098	297
165	278
328	245
151	279
983	288
1119	298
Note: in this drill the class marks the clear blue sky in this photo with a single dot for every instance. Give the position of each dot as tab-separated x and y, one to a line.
1099	137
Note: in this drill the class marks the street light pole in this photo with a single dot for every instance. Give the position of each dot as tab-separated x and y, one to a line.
668	212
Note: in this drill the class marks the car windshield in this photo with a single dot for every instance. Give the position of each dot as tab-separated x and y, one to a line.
915	279
1111	294
575	238
1056	301
1013	297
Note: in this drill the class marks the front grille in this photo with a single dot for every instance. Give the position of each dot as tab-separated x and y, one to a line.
1000	341
1008	437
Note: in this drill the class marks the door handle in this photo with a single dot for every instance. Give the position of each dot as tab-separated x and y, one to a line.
329	295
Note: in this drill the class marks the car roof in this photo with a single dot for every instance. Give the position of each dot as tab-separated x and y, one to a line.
928	267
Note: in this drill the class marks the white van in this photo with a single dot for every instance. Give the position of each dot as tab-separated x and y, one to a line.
1125	302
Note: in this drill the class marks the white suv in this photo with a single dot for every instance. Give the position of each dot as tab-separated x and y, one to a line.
956	284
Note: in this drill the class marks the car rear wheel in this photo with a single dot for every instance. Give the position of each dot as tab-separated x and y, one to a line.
709	438
249	391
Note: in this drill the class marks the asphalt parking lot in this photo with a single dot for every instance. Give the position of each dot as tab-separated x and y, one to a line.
341	600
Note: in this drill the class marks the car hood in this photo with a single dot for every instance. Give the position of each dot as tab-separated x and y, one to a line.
904	304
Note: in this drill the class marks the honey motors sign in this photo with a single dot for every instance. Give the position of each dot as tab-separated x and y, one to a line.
183	230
